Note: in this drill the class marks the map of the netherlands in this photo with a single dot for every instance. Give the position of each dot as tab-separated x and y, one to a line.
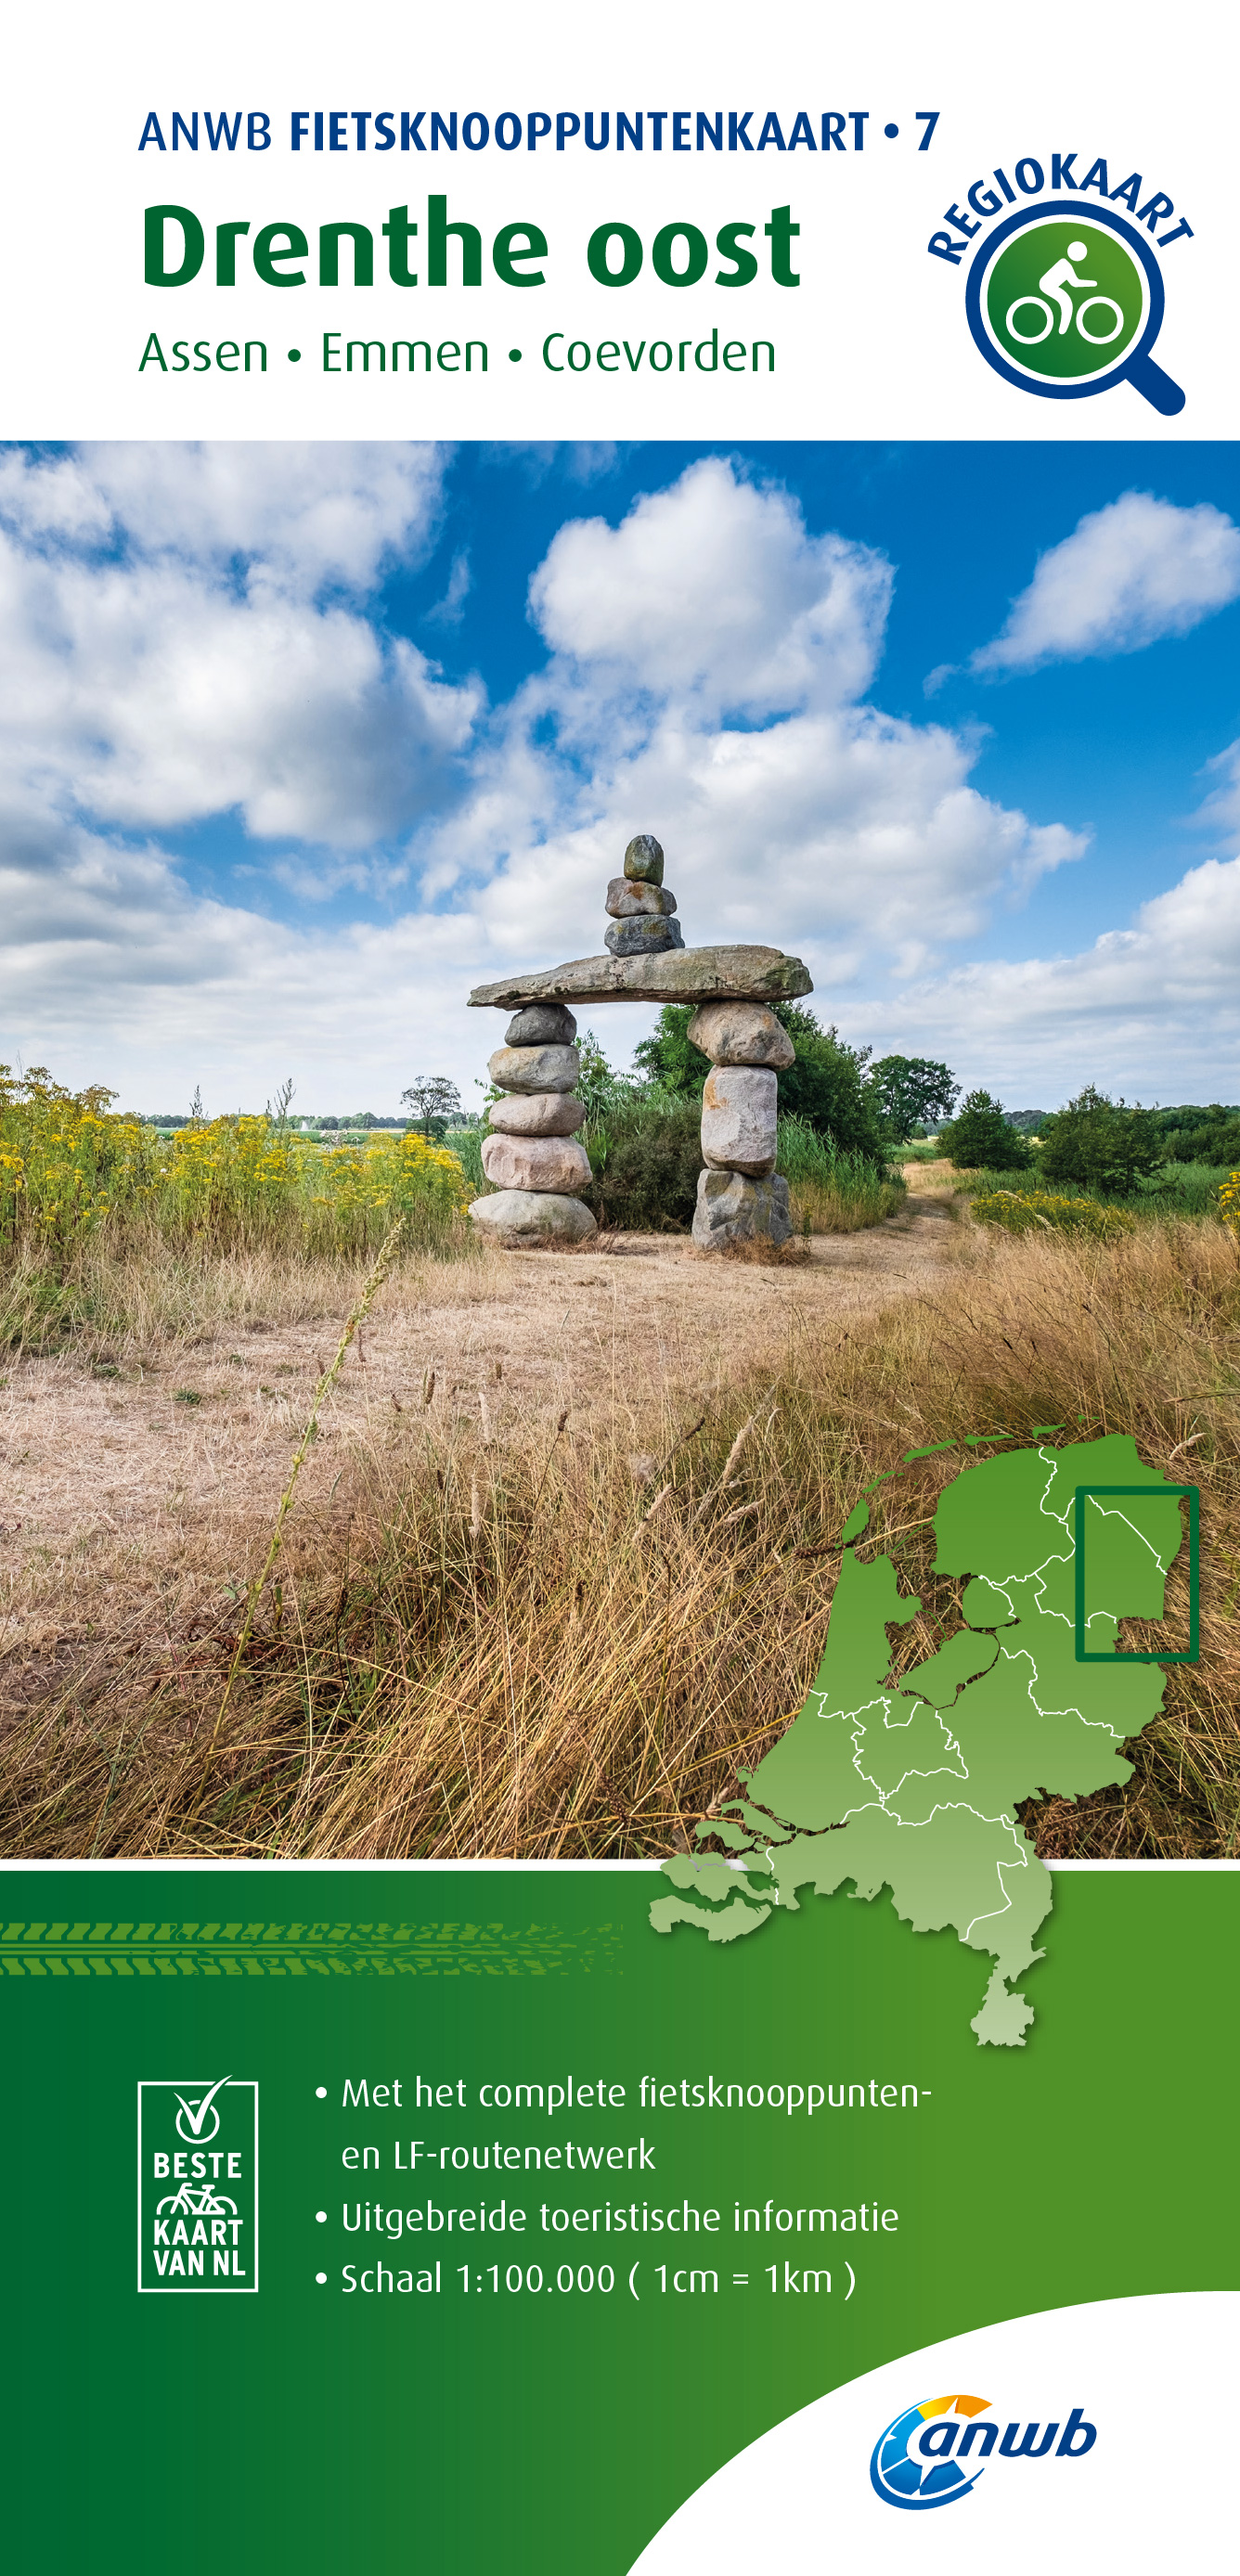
914	1784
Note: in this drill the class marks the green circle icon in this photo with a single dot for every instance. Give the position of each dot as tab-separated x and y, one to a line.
1065	300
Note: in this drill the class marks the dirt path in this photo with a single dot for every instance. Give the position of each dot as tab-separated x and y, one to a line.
137	1503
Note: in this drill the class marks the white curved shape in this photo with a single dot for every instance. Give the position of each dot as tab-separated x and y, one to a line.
1157	2376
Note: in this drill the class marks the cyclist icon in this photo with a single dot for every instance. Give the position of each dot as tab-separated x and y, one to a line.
1059	282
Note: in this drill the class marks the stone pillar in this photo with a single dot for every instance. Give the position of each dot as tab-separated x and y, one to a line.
642	908
532	1155
739	1193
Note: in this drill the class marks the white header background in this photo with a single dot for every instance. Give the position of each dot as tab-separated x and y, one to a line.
872	344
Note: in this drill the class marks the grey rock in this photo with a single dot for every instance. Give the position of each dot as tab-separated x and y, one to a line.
536	1163
740	1033
643	859
738	1118
644	938
537	1113
731	1208
544	1024
690	975
625	901
535	1068
533	1216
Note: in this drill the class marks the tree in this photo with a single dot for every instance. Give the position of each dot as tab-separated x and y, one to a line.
1197	1135
434	1100
980	1139
827	1085
666	1056
1101	1142
913	1091
596	1083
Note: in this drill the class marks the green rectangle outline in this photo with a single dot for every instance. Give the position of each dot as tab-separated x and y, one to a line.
1130	1654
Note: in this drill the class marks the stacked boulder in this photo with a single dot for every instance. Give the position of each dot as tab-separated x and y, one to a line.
532	1156
642	908
740	1194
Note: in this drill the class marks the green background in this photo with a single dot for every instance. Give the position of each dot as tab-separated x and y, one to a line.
305	2430
1026	258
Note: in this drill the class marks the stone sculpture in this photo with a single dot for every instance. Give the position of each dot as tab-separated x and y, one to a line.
531	1155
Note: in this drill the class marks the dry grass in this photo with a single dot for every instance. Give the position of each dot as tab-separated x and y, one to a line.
126	1299
552	1632
759	1253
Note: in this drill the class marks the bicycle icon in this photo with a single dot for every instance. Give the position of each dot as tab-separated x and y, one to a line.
209	2203
1059	282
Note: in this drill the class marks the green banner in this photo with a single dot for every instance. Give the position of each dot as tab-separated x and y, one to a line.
556	2213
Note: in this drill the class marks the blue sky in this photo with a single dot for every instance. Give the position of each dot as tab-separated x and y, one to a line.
297	744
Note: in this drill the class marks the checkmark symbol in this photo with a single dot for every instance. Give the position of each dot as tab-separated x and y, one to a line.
196	2118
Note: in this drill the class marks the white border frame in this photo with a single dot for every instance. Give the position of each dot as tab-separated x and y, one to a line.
152	2289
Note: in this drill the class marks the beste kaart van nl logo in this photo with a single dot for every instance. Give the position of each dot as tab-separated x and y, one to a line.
935	2453
1065	296
198	2184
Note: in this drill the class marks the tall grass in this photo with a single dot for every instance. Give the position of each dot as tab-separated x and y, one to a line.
466	1143
540	1644
833	1192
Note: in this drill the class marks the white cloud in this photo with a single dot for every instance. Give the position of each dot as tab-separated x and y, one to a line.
1220	810
849	823
449	610
116	974
163	656
714	591
828	821
328	512
1136	570
1150	1010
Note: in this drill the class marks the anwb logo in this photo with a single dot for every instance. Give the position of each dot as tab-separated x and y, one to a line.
935	2453
198	2184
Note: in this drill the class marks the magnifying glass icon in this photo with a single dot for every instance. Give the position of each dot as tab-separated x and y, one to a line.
1066	303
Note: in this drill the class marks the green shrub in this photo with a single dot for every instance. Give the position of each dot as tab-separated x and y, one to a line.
1019	1212
980	1138
1216	1142
645	1153
1101	1142
1193	1134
